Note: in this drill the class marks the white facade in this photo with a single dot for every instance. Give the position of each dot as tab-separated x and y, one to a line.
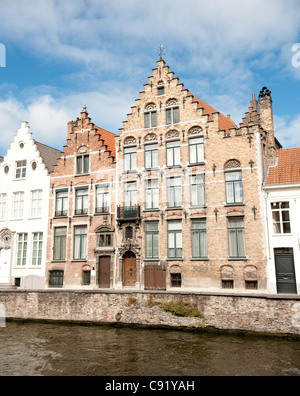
283	232
24	202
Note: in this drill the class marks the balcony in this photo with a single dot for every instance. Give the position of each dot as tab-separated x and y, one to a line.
61	213
102	210
129	213
81	212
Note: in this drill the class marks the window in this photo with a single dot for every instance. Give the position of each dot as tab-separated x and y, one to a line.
175	280
150	116
174	198
152	194
160	90
60	243
56	278
197	190
86	278
37	249
173	153
81	201
61	204
174	239
21	250
36	203
128	232
281	217
102	199
234	193
199	239
130	194
151	156
3	204
236	235
18	205
196	148
105	240
21	169
82	164
152	239
129	158
227	284
80	242
172	113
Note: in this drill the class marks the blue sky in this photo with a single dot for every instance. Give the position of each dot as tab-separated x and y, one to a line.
60	54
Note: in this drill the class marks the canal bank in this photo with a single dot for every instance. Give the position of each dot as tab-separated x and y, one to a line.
261	314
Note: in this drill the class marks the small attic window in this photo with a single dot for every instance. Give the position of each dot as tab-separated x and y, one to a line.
160	89
21	145
33	165
6	169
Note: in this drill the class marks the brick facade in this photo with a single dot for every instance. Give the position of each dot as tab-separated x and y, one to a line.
170	118
76	212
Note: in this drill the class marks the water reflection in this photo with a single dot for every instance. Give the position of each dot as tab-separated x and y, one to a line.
54	350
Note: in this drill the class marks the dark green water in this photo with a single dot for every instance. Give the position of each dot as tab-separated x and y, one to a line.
55	350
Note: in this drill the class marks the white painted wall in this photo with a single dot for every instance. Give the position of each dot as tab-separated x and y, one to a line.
291	194
38	179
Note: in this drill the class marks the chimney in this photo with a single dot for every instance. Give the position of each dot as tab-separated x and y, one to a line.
267	123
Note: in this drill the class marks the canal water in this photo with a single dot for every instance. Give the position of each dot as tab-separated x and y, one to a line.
36	349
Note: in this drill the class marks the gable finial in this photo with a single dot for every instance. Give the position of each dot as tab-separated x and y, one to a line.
161	51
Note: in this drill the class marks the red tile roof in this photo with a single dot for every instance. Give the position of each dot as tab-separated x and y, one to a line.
287	170
225	122
109	140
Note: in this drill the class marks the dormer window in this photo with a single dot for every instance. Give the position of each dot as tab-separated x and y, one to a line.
21	169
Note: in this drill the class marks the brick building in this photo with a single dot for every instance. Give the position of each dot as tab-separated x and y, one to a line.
80	249
190	211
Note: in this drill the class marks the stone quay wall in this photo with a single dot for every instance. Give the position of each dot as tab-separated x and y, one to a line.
262	314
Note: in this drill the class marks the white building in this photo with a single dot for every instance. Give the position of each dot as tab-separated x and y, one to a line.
282	191
24	201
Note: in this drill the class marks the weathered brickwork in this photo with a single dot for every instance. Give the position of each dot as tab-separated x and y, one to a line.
87	163
255	314
246	149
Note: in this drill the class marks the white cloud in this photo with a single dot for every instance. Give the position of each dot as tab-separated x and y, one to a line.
287	130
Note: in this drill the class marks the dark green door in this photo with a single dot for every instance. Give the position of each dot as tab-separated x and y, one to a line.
285	271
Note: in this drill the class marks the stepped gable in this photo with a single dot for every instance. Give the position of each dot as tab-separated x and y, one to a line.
287	167
50	155
109	140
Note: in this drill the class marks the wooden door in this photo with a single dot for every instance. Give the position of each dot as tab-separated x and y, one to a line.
104	272
129	270
155	277
285	271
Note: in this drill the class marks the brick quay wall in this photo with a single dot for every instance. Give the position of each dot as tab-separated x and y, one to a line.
261	314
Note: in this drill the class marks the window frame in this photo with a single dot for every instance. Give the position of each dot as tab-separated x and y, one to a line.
21	169
237	229
150	119
196	145
174	234
60	203
152	234
148	150
201	233
36	210
22	253
56	278
83	169
281	222
132	155
80	197
174	190
3	206
153	192
200	190
82	237
62	244
232	184
171	114
103	191
173	147
37	260
18	205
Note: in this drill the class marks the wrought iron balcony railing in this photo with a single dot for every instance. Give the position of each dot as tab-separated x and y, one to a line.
129	212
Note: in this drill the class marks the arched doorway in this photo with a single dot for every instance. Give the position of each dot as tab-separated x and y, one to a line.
129	272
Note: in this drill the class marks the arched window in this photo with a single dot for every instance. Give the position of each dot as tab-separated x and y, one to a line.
172	112
233	182
150	116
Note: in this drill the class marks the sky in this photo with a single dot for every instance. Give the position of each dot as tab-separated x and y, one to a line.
62	54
